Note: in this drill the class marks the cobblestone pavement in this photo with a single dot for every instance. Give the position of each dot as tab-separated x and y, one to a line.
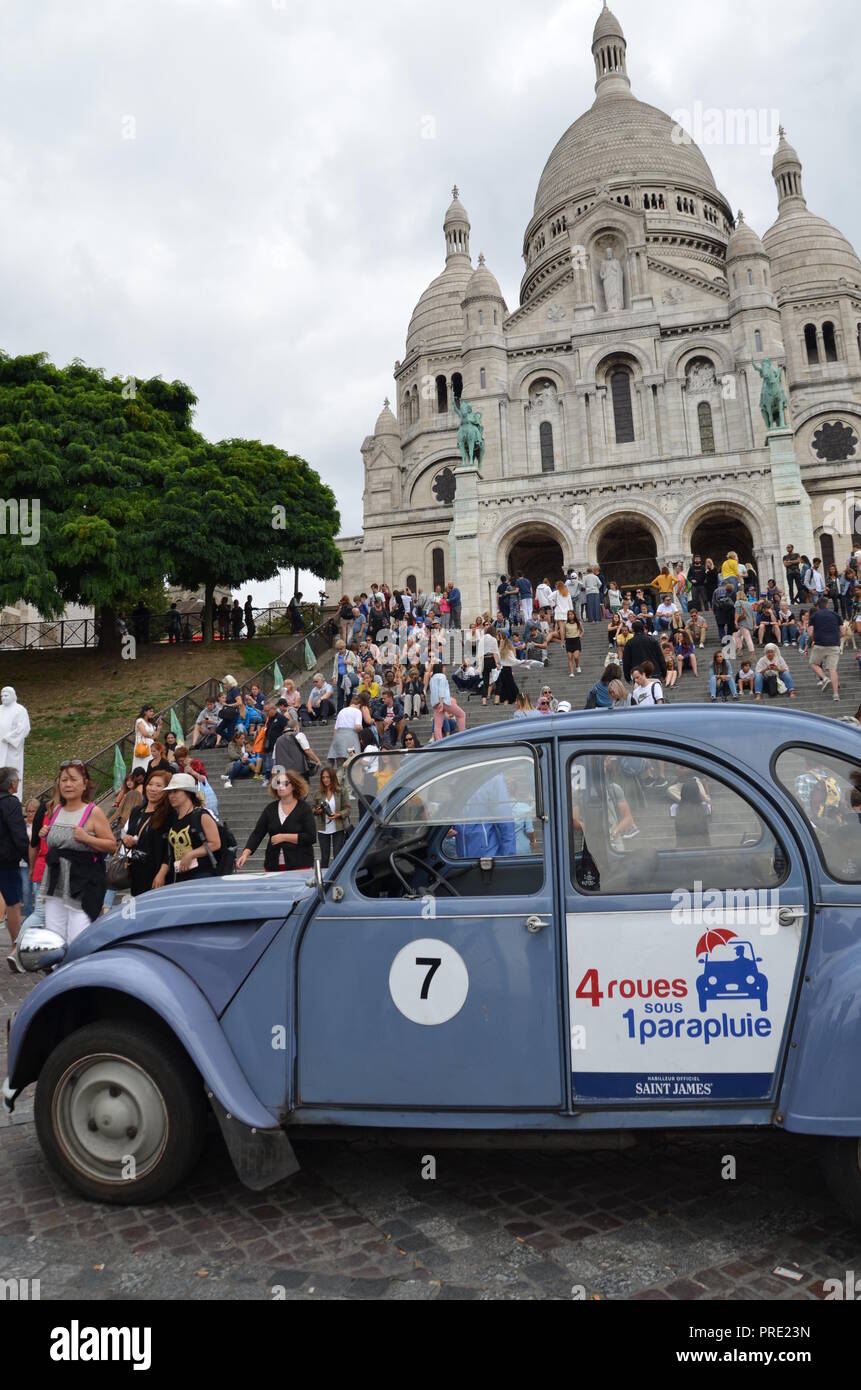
655	1222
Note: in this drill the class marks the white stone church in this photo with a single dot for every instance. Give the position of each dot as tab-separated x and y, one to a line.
620	400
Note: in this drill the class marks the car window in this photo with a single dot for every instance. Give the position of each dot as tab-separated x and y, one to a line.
465	824
646	825
827	790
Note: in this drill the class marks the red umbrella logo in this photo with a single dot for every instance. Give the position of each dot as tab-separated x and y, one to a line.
714	937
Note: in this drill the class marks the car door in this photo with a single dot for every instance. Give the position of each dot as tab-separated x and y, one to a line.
687	910
435	981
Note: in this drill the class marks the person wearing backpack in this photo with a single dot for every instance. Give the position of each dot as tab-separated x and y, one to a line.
646	690
288	822
193	839
294	753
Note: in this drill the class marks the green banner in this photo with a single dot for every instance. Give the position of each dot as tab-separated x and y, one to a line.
277	676
120	768
310	658
176	727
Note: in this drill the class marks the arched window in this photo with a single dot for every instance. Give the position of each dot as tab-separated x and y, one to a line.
826	546
811	345
438	561
483	379
481	318
757	338
441	396
457	386
829	341
416	406
545	435
405	411
750	277
411	584
707	433
620	385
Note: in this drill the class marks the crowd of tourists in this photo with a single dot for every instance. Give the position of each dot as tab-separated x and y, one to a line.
63	858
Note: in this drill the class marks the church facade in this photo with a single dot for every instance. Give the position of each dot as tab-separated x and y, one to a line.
620	400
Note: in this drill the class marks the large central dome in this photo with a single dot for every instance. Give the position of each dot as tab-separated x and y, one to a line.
619	138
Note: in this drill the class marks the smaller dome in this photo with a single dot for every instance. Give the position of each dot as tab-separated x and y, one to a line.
483	284
784	155
457	213
386	424
743	242
607	26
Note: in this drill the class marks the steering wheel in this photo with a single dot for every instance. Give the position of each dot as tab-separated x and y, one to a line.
438	880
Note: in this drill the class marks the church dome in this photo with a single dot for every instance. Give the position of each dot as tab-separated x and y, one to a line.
805	250
437	319
386	424
743	242
619	137
483	284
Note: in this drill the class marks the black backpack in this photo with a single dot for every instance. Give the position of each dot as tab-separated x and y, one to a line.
224	861
769	684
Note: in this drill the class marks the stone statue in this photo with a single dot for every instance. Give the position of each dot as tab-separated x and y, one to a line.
772	401
14	729
612	279
470	436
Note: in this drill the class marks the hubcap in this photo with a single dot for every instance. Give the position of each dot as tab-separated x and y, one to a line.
110	1118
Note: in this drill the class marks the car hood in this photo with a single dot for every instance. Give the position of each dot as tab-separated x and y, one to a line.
232	899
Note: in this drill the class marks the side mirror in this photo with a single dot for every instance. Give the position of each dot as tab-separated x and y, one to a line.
39	949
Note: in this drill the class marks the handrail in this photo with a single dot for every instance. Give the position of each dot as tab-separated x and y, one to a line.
101	764
62	634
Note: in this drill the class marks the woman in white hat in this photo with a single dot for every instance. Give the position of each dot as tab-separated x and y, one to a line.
193	836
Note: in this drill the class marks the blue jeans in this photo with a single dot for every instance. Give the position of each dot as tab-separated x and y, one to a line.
782	675
29	894
790	633
240	770
713	686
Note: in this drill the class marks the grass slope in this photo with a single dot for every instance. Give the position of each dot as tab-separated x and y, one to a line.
80	701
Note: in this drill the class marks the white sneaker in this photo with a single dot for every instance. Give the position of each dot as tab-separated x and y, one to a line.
825	681
836	697
227	784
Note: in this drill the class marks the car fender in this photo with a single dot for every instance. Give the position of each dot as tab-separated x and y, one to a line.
164	989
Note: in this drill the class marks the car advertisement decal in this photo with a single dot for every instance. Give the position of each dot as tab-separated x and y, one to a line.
664	1011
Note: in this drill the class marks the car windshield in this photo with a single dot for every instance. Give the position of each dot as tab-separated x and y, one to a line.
421	786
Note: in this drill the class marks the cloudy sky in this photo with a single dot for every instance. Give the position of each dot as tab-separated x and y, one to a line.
249	194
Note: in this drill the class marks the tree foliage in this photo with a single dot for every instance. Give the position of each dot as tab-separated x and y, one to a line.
130	494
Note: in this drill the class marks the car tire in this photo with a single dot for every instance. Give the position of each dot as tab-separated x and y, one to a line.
121	1112
841	1161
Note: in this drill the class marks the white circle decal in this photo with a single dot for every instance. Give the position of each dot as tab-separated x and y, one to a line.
428	981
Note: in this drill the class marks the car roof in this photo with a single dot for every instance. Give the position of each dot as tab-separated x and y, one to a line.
750	735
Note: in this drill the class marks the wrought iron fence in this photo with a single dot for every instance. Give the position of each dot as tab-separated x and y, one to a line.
301	657
77	633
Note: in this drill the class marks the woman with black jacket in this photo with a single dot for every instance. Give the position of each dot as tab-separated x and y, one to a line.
145	834
288	821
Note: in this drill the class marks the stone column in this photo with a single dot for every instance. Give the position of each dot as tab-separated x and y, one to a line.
792	504
463	544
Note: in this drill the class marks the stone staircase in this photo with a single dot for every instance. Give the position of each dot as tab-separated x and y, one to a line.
242	803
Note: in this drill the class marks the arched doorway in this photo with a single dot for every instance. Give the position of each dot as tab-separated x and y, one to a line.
628	553
538	557
719	533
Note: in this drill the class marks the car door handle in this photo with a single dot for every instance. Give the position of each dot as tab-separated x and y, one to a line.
535	924
786	916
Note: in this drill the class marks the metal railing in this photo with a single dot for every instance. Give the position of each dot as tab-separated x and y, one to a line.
295	659
78	633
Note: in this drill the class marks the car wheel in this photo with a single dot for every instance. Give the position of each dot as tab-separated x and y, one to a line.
841	1161
120	1112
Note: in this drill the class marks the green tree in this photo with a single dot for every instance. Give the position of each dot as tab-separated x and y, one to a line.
240	511
87	455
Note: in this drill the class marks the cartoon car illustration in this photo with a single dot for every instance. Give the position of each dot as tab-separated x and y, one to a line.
731	971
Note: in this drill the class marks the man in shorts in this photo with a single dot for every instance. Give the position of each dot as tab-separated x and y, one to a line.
825	654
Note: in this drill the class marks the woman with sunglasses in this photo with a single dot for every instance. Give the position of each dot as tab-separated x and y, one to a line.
288	822
410	741
78	837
